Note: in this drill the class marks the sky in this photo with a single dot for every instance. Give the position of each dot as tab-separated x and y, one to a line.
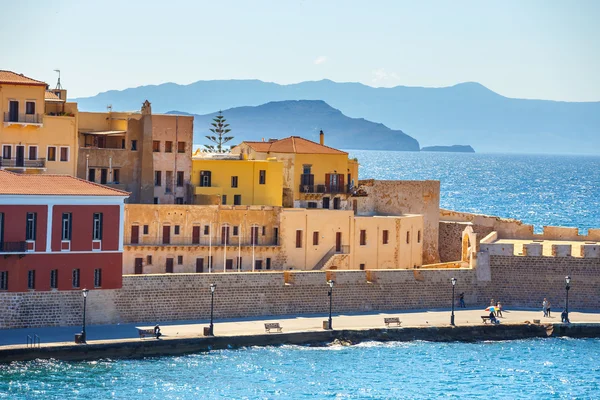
540	49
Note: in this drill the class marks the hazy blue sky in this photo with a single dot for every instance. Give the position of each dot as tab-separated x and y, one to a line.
532	49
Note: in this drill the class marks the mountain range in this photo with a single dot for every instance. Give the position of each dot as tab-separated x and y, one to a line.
305	118
466	113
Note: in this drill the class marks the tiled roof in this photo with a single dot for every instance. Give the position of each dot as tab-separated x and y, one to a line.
52	185
18	79
50	96
293	144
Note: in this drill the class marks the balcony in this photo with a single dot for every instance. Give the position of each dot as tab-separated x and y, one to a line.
324	189
233	241
22	119
22	163
13	247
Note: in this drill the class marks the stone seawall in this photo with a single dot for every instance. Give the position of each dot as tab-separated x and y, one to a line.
516	281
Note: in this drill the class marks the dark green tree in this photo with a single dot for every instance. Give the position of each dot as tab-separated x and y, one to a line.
219	130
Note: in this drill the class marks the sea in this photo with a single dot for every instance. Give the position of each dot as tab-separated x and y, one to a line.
538	189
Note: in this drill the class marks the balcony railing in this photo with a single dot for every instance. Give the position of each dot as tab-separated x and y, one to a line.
22	163
13	247
324	189
23	118
202	241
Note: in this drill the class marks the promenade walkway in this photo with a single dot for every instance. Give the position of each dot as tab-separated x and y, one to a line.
251	326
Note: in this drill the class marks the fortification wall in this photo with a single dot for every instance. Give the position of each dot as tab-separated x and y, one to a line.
516	281
450	238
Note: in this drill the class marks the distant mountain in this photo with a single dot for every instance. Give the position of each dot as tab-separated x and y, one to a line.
464	113
457	148
305	118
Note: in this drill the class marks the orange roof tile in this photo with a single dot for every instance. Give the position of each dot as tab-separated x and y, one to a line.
18	79
52	185
50	96
293	144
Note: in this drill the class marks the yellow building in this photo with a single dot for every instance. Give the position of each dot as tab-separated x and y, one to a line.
314	175
39	129
227	179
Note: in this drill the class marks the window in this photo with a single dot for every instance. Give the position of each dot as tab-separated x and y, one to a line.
7	152
306	169
103	176
237	199
75	280
149	260
315	238
157	179
98	277
179	178
206	230
177	229
66	226
179	260
236	231
326	202
418	236
116	175
31	279
54	279
336	203
312	204
262	177
224	199
168	147
276	236
64	154
362	267
385	238
4	280
30	229
92	175
33	153
264	230
234	181
156	200
134	145
51	153
178	200
205	178
363	237
30	107
298	239
156	146
407	237
169	266
146	229
258	264
268	263
97	226
181	147
168	181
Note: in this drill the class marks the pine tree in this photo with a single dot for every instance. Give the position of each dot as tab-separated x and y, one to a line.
219	130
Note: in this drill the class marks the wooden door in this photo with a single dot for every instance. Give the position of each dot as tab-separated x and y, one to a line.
225	235
92	175
229	264
169	268
196	235
139	266
338	242
103	176
199	265
32	153
258	264
13	111
20	156
167	235
135	234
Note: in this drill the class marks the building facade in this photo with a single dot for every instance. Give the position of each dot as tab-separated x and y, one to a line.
146	154
38	133
227	179
59	233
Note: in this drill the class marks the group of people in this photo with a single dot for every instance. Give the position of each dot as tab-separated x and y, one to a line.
546	308
496	311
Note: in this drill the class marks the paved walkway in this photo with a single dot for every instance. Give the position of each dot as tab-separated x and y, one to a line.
250	326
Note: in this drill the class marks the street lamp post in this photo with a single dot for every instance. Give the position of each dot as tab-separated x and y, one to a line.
567	287
452	316
213	286
330	294
84	292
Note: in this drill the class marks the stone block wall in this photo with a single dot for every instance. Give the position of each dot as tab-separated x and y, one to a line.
450	238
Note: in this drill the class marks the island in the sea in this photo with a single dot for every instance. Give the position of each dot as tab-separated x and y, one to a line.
457	148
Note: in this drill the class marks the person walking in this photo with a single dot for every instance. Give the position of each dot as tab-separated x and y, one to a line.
499	309
548	306
545	307
461	299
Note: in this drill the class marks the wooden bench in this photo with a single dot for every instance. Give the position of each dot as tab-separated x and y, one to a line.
273	325
393	320
145	332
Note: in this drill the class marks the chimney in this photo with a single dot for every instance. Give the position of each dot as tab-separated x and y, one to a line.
322	138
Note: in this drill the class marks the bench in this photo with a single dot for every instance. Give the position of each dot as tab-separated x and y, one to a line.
485	318
145	332
273	325
393	320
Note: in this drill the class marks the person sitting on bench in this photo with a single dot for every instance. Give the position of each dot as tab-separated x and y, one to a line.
565	317
493	319
157	331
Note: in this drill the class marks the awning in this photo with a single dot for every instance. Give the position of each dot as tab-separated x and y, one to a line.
104	133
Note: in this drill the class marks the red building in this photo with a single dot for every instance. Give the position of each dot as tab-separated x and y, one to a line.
59	233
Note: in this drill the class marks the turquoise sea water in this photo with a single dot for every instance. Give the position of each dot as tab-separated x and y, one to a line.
536	369
538	189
